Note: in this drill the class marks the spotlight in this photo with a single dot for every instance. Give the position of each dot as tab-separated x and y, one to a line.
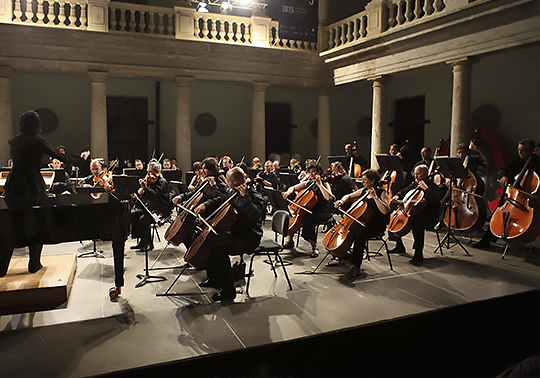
203	6
225	5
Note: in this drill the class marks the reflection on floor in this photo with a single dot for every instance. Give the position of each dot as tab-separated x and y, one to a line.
92	335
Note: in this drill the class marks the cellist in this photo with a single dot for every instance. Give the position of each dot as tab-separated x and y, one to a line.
377	199
426	216
507	176
243	237
320	213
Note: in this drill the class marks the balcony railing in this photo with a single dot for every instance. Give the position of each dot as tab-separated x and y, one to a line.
385	16
178	22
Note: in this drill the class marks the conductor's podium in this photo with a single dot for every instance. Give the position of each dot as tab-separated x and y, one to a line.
46	289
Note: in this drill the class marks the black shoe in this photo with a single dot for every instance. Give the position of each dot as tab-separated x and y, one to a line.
225	300
438	226
398	249
416	260
147	248
482	244
210	283
137	246
289	245
34	268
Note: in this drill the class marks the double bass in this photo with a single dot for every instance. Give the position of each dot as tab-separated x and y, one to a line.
467	210
516	220
181	229
339	239
219	222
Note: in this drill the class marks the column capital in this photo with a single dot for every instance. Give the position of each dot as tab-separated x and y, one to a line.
466	61
98	76
324	91
183	81
259	86
380	80
6	71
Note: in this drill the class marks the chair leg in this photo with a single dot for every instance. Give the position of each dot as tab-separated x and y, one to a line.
250	273
278	257
388	254
271	263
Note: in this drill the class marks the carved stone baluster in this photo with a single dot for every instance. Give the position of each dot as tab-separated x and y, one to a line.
151	23
418	9
72	15
428	8
39	12
122	21
61	13
218	26
391	15
160	25
363	27
356	28
400	17
17	10
350	27
235	28
331	43
82	18
129	17
409	13
337	39
210	28
227	27
439	5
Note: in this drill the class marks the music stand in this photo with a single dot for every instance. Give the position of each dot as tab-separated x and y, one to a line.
289	179
95	252
389	162
342	158
452	168
125	186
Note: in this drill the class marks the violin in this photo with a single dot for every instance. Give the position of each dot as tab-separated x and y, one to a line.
467	210
150	179
340	238
103	178
516	220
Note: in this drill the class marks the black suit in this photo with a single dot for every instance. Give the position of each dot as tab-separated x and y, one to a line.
25	187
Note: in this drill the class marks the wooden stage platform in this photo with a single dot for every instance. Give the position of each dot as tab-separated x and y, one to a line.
46	289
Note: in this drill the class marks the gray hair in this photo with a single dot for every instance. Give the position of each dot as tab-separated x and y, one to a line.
155	166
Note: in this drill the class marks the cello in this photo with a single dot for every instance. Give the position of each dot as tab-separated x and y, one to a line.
516	220
466	212
302	204
219	222
180	230
339	239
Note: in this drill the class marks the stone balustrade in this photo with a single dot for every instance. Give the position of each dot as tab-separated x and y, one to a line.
142	19
67	14
385	16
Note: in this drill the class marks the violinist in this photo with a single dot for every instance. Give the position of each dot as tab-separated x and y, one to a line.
197	178
139	164
507	175
154	193
340	182
426	216
321	212
99	176
167	164
377	200
244	235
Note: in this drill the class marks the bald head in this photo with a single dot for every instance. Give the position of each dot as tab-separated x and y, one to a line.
235	177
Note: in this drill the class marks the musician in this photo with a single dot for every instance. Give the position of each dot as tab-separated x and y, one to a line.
139	164
427	157
24	184
256	163
475	161
356	158
425	217
197	178
321	212
377	199
154	194
174	164
268	177
340	182
99	176
216	186
507	175
394	150
243	237
304	175
276	167
73	160
60	184
167	164
226	164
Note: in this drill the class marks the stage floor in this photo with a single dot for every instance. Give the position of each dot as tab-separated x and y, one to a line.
92	335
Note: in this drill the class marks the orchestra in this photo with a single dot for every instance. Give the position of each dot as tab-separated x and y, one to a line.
360	202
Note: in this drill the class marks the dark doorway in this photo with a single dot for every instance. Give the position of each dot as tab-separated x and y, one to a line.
278	128
127	128
409	128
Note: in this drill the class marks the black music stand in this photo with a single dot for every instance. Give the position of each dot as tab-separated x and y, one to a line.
289	179
94	252
452	168
389	162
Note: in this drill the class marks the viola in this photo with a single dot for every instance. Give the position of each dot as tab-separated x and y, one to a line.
219	222
340	238
467	210
103	178
303	203
516	220
181	229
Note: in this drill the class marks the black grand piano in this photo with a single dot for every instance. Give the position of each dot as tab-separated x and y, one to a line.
53	220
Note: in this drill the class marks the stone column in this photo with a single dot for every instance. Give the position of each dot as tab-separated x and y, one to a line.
258	137
460	131
322	38
379	128
323	127
6	120
98	115
183	122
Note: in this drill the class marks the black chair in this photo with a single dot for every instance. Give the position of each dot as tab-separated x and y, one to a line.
280	225
380	238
